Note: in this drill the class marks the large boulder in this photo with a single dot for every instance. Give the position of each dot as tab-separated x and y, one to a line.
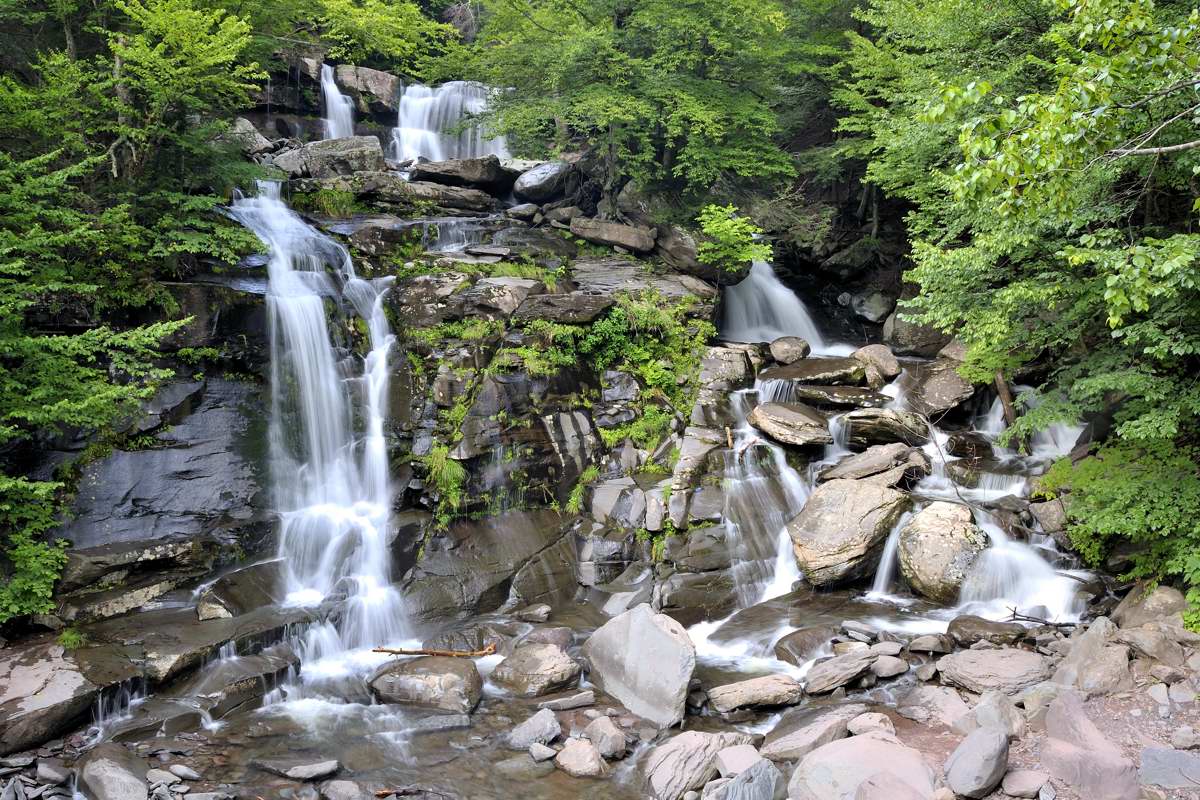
1143	605
110	772
1008	670
543	183
331	158
536	669
868	426
839	534
802	730
789	349
645	660
791	423
1094	664
938	546
243	133
374	91
978	764
834	771
825	676
391	187
820	371
911	339
1078	754
939	388
766	691
880	362
803	645
840	396
630	237
439	682
686	762
967	629
883	464
483	173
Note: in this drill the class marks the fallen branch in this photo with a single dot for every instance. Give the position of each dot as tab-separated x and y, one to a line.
1014	616
487	651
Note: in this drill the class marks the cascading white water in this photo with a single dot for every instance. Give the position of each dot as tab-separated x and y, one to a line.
428	120
760	308
329	477
339	109
762	492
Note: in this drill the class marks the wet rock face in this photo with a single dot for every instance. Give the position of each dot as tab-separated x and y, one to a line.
645	660
438	682
839	534
201	478
42	691
938	548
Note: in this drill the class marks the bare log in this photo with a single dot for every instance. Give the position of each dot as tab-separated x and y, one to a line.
424	651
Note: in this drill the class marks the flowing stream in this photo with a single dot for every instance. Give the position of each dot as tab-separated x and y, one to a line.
339	109
328	457
434	123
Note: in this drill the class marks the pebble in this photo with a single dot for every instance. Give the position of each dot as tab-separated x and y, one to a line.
184	771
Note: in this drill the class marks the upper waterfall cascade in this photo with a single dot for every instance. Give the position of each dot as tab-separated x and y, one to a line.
339	109
433	123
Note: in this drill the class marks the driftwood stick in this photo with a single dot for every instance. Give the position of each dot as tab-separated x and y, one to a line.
487	651
1014	616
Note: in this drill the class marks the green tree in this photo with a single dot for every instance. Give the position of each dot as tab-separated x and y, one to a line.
668	95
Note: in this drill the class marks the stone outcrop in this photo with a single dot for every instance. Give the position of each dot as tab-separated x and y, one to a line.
839	534
438	682
645	660
937	549
791	423
630	237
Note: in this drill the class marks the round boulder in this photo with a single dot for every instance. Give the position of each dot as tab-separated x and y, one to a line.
439	682
542	183
938	547
789	349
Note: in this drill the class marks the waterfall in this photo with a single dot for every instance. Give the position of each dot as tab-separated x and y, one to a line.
761	309
762	492
328	459
428	121
339	109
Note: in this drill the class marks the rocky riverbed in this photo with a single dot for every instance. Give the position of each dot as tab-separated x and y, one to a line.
825	578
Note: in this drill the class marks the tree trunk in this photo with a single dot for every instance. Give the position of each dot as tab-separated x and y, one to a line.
1006	399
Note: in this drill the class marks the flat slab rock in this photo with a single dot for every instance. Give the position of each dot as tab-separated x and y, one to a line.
1008	670
305	771
769	690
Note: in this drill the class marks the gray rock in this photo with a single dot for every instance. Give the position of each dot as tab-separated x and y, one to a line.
967	629
819	371
440	682
536	669
543	183
939	705
1141	606
762	780
839	534
524	768
374	91
802	730
1007	670
994	710
580	758
734	760
607	737
789	349
686	762
484	173
1077	753
937	549
768	690
1093	665
835	770
888	666
574	308
1169	769
840	396
342	790
1024	782
636	239
541	728
313	771
939	388
578	700
931	643
886	786
871	721
878	360
644	660
883	464
873	306
978	763
331	158
825	676
243	133
910	339
791	423
801	646
868	426
52	771
541	752
110	772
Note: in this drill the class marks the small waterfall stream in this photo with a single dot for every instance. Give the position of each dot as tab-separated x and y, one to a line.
760	309
339	109
329	468
427	125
